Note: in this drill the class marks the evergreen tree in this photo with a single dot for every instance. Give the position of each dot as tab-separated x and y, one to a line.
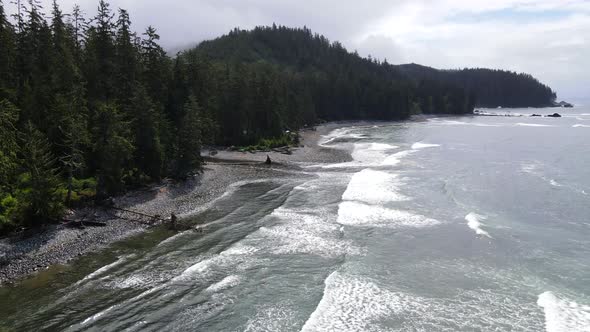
149	154
7	36
112	149
40	183
188	147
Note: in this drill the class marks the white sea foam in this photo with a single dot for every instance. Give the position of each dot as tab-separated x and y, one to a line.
532	125
581	126
374	187
562	315
462	123
304	233
227	282
365	154
530	168
106	268
474	222
396	158
341	133
355	304
381	147
359	214
419	145
98	315
238	255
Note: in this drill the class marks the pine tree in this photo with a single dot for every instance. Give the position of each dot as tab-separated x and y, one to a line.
188	147
126	61
112	149
100	55
149	152
8	146
7	36
39	186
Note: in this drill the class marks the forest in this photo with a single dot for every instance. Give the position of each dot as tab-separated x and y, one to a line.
90	108
492	88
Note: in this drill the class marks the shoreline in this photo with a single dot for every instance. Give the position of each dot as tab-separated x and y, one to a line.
24	255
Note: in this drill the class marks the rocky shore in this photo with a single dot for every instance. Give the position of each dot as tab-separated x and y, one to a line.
24	254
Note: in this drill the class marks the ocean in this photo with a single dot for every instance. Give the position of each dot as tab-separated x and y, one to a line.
473	223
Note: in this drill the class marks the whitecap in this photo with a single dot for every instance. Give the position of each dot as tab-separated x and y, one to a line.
374	187
395	159
305	233
580	126
352	303
563	315
359	214
227	282
532	125
419	145
474	222
381	146
105	268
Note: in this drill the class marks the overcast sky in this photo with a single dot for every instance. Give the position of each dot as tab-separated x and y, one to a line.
546	38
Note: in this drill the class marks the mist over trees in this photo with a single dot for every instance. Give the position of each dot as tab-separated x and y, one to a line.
89	107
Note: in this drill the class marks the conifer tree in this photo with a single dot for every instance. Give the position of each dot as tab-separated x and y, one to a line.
112	149
188	147
40	183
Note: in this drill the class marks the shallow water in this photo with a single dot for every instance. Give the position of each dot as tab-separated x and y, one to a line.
447	224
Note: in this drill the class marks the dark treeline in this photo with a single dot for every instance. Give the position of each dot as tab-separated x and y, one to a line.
492	88
277	78
84	111
88	107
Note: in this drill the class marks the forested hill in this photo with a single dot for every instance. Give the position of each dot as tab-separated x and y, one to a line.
492	88
277	78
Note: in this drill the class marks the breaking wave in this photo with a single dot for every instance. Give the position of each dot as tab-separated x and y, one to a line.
474	222
562	315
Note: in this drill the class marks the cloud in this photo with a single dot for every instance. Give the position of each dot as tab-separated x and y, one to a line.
547	38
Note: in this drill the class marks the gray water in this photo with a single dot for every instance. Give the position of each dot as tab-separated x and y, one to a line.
445	224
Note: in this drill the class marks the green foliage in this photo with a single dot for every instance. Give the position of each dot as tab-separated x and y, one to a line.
266	144
190	135
487	87
112	148
40	183
89	108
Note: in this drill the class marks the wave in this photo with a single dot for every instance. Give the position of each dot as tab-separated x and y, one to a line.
239	255
532	125
562	315
474	222
227	282
353	304
462	123
381	146
304	232
341	135
395	159
373	187
419	145
580	126
359	214
105	268
365	154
